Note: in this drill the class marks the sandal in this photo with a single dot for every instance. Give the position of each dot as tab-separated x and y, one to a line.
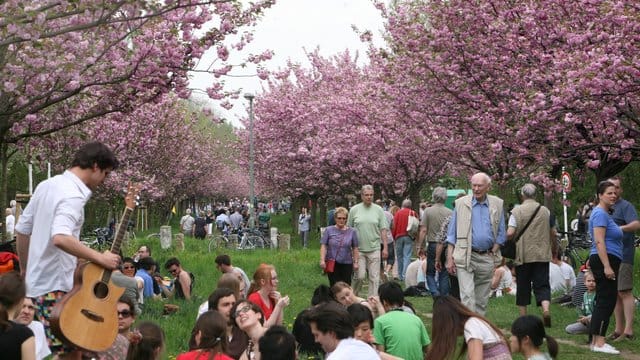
622	337
613	336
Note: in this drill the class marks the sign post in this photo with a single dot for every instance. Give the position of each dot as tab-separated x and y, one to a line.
565	179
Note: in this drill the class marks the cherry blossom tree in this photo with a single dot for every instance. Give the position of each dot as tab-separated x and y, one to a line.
64	63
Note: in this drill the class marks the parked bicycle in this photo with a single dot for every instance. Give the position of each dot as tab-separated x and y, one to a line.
101	240
573	253
223	240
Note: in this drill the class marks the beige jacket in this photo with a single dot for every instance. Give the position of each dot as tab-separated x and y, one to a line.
462	250
535	244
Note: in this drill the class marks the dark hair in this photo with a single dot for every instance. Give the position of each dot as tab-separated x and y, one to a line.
12	292
218	294
331	317
256	309
391	292
146	263
277	344
223	259
532	326
95	153
144	341
130	261
148	248
603	185
449	317
172	261
127	300
321	294
359	314
213	334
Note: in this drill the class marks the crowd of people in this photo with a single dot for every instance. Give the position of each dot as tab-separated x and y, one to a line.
458	258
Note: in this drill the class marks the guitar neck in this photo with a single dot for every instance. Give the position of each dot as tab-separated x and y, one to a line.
122	228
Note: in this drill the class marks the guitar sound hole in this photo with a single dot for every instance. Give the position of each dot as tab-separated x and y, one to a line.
101	290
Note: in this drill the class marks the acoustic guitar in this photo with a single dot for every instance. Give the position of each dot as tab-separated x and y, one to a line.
87	317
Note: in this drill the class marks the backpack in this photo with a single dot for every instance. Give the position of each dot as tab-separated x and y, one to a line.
220	224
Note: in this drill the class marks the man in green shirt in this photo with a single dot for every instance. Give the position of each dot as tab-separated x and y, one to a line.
369	221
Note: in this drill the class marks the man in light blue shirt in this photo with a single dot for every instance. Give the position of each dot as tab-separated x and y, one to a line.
475	233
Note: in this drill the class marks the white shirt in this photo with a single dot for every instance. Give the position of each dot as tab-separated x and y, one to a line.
475	328
352	349
558	276
10	221
42	347
56	207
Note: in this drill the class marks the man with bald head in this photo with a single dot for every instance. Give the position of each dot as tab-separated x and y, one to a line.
476	231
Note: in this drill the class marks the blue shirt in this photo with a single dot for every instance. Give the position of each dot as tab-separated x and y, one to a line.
612	235
482	238
147	291
624	213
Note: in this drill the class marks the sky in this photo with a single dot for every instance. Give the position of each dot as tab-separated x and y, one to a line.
288	28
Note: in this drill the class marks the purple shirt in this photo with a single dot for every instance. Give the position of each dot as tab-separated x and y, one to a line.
339	244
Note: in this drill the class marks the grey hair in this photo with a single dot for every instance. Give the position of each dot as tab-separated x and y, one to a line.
406	203
367	187
484	175
528	191
439	195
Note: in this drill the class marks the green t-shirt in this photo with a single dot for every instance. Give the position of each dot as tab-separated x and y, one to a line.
369	221
263	219
402	334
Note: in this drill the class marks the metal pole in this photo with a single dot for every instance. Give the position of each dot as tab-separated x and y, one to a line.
251	160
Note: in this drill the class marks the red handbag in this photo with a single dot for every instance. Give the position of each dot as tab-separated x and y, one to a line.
329	266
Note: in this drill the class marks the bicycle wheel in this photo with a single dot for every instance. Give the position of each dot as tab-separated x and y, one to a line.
249	242
233	240
215	242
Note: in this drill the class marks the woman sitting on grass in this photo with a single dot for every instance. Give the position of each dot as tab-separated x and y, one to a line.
208	339
343	293
482	339
527	335
146	342
264	293
250	319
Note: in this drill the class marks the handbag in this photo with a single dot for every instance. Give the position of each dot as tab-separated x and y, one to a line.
412	224
508	249
329	266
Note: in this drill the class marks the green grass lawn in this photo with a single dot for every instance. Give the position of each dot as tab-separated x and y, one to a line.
299	274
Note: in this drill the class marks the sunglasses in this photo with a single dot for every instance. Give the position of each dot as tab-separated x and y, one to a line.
341	218
173	271
242	310
125	313
128	267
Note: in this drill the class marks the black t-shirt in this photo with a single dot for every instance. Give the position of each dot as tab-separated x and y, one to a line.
11	341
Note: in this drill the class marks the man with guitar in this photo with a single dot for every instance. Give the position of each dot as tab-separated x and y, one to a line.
49	228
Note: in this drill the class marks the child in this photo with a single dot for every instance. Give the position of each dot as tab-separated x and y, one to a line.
527	337
588	302
362	321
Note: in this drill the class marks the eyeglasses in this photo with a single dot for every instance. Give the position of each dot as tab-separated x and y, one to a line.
242	310
128	267
341	218
125	313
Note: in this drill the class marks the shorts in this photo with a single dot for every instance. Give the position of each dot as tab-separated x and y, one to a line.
625	277
44	305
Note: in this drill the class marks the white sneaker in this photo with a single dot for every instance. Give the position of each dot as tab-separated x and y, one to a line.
606	348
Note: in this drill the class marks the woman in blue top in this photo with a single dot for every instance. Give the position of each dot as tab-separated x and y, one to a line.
604	259
339	243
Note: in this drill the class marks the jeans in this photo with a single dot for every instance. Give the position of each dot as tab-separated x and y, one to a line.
439	286
404	246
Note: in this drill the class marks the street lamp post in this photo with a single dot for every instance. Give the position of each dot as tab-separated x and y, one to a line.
250	97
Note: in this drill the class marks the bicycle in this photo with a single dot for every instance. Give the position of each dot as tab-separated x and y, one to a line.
101	240
222	241
576	241
252	239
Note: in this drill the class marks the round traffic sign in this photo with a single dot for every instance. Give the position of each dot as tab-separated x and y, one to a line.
566	181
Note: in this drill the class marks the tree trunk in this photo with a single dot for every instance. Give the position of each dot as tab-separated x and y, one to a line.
322	212
4	159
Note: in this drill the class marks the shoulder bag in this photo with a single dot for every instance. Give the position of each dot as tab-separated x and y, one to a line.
508	249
